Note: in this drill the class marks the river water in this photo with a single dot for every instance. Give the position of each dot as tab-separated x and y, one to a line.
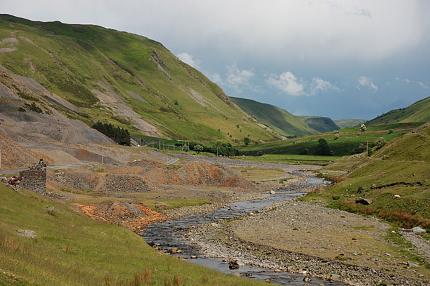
170	234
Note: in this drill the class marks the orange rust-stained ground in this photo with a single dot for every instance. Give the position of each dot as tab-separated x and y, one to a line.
133	216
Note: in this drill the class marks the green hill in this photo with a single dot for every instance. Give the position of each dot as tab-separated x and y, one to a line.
348	123
50	244
120	78
417	113
283	121
395	179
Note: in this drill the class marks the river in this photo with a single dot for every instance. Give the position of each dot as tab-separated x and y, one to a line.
171	234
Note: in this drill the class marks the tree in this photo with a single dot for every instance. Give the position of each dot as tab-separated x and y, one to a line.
198	148
323	148
246	140
117	134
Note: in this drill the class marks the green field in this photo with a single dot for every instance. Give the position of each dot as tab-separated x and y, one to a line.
93	68
345	142
292	159
71	249
401	168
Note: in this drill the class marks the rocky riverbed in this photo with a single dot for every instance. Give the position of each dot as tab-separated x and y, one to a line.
313	240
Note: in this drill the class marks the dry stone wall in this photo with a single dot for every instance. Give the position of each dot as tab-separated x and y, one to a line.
34	180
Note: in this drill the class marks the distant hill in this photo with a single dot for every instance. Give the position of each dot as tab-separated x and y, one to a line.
283	121
417	113
98	74
347	123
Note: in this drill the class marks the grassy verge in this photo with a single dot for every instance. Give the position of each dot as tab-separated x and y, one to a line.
291	158
70	249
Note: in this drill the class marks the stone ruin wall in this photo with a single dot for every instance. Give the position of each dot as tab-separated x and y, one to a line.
33	180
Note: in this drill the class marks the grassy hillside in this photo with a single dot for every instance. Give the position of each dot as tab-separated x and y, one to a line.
70	249
419	113
400	168
348	123
343	142
126	79
283	121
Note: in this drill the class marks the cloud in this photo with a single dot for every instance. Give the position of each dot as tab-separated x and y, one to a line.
275	30
414	82
237	77
188	59
321	85
216	78
364	81
289	83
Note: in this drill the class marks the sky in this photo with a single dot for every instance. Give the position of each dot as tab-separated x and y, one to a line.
337	58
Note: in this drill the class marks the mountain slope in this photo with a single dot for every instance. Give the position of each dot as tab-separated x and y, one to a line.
419	112
126	79
395	180
348	123
283	121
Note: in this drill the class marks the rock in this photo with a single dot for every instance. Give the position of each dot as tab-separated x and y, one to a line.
363	201
412	264
193	257
272	192
418	230
397	196
233	264
174	250
360	190
306	279
27	233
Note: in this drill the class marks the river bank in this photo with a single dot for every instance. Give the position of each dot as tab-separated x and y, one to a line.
313	240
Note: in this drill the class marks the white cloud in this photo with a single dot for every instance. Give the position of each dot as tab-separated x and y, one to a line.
321	85
364	81
238	77
414	82
216	78
289	83
188	59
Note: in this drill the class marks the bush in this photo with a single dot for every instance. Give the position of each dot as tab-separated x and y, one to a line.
246	141
323	148
198	148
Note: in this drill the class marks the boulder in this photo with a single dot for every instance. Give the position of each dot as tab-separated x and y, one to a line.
418	230
233	264
363	201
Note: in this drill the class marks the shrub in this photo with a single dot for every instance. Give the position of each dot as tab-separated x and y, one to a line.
246	141
323	148
198	148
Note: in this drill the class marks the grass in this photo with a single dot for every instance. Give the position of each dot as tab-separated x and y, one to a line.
260	174
416	113
345	142
400	168
291	158
71	249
